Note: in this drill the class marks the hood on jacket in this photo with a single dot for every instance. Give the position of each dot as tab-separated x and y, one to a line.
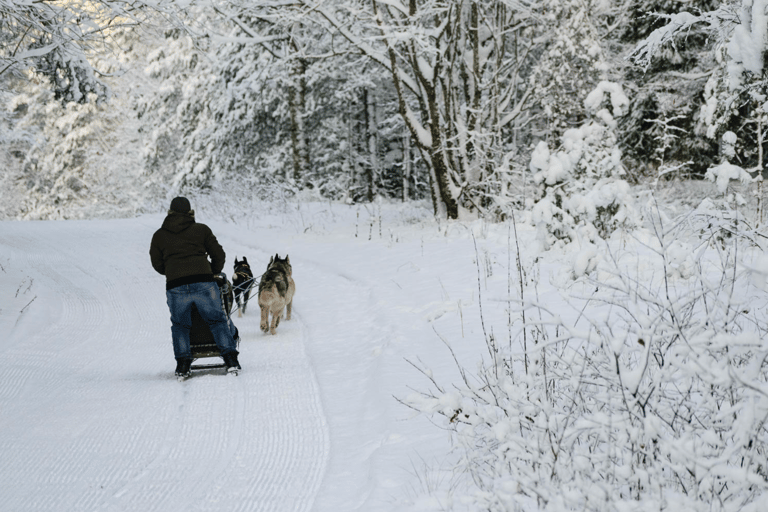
177	222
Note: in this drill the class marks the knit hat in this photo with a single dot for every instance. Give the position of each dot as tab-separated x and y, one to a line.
180	205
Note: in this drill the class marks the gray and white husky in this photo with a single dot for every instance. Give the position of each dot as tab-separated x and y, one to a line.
276	291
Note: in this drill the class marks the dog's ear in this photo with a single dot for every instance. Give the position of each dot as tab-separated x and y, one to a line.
287	259
245	260
271	259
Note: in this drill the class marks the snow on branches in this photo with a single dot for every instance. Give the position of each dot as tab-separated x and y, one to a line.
723	173
642	390
57	38
737	89
581	185
718	21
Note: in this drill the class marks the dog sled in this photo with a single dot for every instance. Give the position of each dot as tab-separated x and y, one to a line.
201	341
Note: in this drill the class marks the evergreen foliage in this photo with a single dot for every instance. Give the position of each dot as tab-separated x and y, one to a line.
660	134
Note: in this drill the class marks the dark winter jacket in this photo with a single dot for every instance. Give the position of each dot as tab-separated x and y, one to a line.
180	250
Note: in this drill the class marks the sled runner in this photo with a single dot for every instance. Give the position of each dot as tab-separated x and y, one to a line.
201	341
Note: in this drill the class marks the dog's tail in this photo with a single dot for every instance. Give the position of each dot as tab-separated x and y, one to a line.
273	277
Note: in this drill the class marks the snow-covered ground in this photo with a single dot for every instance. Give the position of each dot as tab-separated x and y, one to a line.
92	418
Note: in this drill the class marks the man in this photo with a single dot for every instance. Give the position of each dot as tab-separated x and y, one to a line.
180	251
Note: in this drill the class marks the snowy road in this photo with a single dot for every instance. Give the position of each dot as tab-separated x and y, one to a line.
92	417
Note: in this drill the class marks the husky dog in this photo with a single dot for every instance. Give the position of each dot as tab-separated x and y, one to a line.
242	282
276	291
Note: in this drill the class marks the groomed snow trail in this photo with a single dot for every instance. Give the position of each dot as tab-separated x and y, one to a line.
92	416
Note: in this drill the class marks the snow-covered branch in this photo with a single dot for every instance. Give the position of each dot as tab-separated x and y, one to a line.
720	21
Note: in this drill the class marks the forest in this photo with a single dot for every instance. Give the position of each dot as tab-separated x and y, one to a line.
480	107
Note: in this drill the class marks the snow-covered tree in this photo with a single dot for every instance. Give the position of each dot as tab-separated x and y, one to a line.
456	70
570	64
583	193
73	159
658	135
229	102
170	115
264	96
55	39
737	92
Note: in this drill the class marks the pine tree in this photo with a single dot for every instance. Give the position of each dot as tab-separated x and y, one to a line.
736	93
659	134
582	188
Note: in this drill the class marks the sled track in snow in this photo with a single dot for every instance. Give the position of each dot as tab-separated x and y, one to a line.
257	440
100	422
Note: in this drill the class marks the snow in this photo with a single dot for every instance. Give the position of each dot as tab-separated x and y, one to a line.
93	418
749	41
619	100
723	173
585	260
540	157
729	144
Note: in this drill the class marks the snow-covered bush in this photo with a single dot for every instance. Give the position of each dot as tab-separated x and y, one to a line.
722	175
715	222
581	183
654	398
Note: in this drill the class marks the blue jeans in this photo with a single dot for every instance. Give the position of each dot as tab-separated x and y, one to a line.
207	298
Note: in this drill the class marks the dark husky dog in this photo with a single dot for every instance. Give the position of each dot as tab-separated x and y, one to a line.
276	291
242	282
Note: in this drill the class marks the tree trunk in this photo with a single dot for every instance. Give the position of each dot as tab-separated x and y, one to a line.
440	167
297	101
371	143
760	204
442	185
352	161
406	165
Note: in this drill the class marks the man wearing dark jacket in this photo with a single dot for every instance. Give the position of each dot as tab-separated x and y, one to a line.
180	251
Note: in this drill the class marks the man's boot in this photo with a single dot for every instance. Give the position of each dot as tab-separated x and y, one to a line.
183	367
230	361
